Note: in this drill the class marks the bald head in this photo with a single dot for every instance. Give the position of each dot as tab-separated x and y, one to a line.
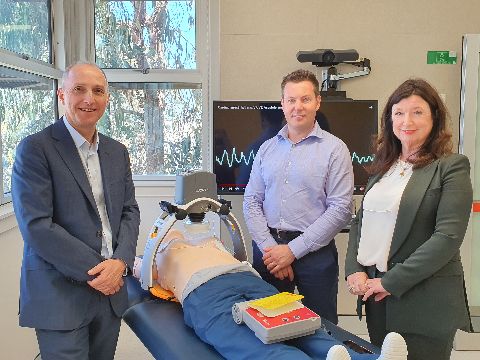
77	64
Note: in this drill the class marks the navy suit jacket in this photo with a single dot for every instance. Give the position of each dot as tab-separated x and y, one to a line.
61	228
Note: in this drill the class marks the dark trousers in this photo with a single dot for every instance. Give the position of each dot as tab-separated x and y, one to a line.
315	276
95	339
420	347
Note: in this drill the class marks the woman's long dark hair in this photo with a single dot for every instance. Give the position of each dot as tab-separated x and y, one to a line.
387	147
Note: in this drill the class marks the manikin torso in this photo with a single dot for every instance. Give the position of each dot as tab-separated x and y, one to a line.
180	255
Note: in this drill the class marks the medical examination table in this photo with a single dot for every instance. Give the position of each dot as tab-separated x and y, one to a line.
159	325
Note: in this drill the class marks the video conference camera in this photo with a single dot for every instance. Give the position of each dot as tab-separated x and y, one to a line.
327	57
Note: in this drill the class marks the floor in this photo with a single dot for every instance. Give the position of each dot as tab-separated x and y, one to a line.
129	347
465	355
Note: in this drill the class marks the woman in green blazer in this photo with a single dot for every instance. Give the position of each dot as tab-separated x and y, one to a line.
403	258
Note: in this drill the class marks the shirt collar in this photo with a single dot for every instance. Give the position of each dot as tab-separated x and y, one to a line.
78	139
316	132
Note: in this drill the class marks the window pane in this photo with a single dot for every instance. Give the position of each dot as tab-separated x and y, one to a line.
160	123
145	34
25	28
27	105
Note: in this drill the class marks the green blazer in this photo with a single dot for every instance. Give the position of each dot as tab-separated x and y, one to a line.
425	274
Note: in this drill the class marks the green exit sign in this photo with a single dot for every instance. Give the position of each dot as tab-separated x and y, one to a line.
441	57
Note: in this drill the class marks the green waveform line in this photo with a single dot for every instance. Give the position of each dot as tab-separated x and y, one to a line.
361	159
230	159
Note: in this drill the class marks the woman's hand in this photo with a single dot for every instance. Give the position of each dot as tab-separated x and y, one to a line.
356	283
374	287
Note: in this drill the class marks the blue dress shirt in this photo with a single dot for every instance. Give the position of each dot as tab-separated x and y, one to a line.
307	186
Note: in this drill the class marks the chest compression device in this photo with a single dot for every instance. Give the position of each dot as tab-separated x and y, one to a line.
195	195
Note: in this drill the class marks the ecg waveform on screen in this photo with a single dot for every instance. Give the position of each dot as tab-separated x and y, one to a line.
356	159
232	158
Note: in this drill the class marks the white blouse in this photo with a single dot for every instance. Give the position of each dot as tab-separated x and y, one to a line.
380	210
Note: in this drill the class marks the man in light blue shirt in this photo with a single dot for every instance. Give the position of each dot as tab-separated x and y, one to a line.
298	198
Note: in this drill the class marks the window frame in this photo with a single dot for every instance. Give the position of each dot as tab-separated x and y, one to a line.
27	64
206	74
52	6
72	39
16	62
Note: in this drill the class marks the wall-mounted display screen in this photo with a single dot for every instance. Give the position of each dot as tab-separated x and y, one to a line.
240	127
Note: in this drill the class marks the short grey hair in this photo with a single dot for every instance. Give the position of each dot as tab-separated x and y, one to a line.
66	74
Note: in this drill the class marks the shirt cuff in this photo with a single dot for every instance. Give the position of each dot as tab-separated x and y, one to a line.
298	248
268	242
137	267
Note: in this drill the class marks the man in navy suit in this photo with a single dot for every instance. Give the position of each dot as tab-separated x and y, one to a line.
75	205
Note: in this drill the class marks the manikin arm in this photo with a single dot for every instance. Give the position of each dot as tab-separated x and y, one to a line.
137	266
137	269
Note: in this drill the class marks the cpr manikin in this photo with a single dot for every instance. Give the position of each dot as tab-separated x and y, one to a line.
189	257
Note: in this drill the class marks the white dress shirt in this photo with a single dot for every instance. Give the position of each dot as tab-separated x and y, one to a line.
380	210
91	163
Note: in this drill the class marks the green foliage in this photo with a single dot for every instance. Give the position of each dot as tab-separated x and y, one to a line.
162	139
26	106
160	124
24	28
145	34
22	112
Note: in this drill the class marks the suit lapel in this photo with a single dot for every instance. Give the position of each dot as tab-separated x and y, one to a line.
68	152
409	204
372	181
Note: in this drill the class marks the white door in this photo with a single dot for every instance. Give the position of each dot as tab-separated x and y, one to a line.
469	145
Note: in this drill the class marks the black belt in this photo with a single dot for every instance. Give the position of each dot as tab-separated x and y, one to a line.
285	234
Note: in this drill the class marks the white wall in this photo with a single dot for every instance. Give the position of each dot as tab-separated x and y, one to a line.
15	342
259	40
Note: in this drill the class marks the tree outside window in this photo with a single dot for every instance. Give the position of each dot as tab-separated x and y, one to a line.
25	28
159	122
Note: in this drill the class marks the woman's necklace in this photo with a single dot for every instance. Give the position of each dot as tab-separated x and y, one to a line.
404	166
